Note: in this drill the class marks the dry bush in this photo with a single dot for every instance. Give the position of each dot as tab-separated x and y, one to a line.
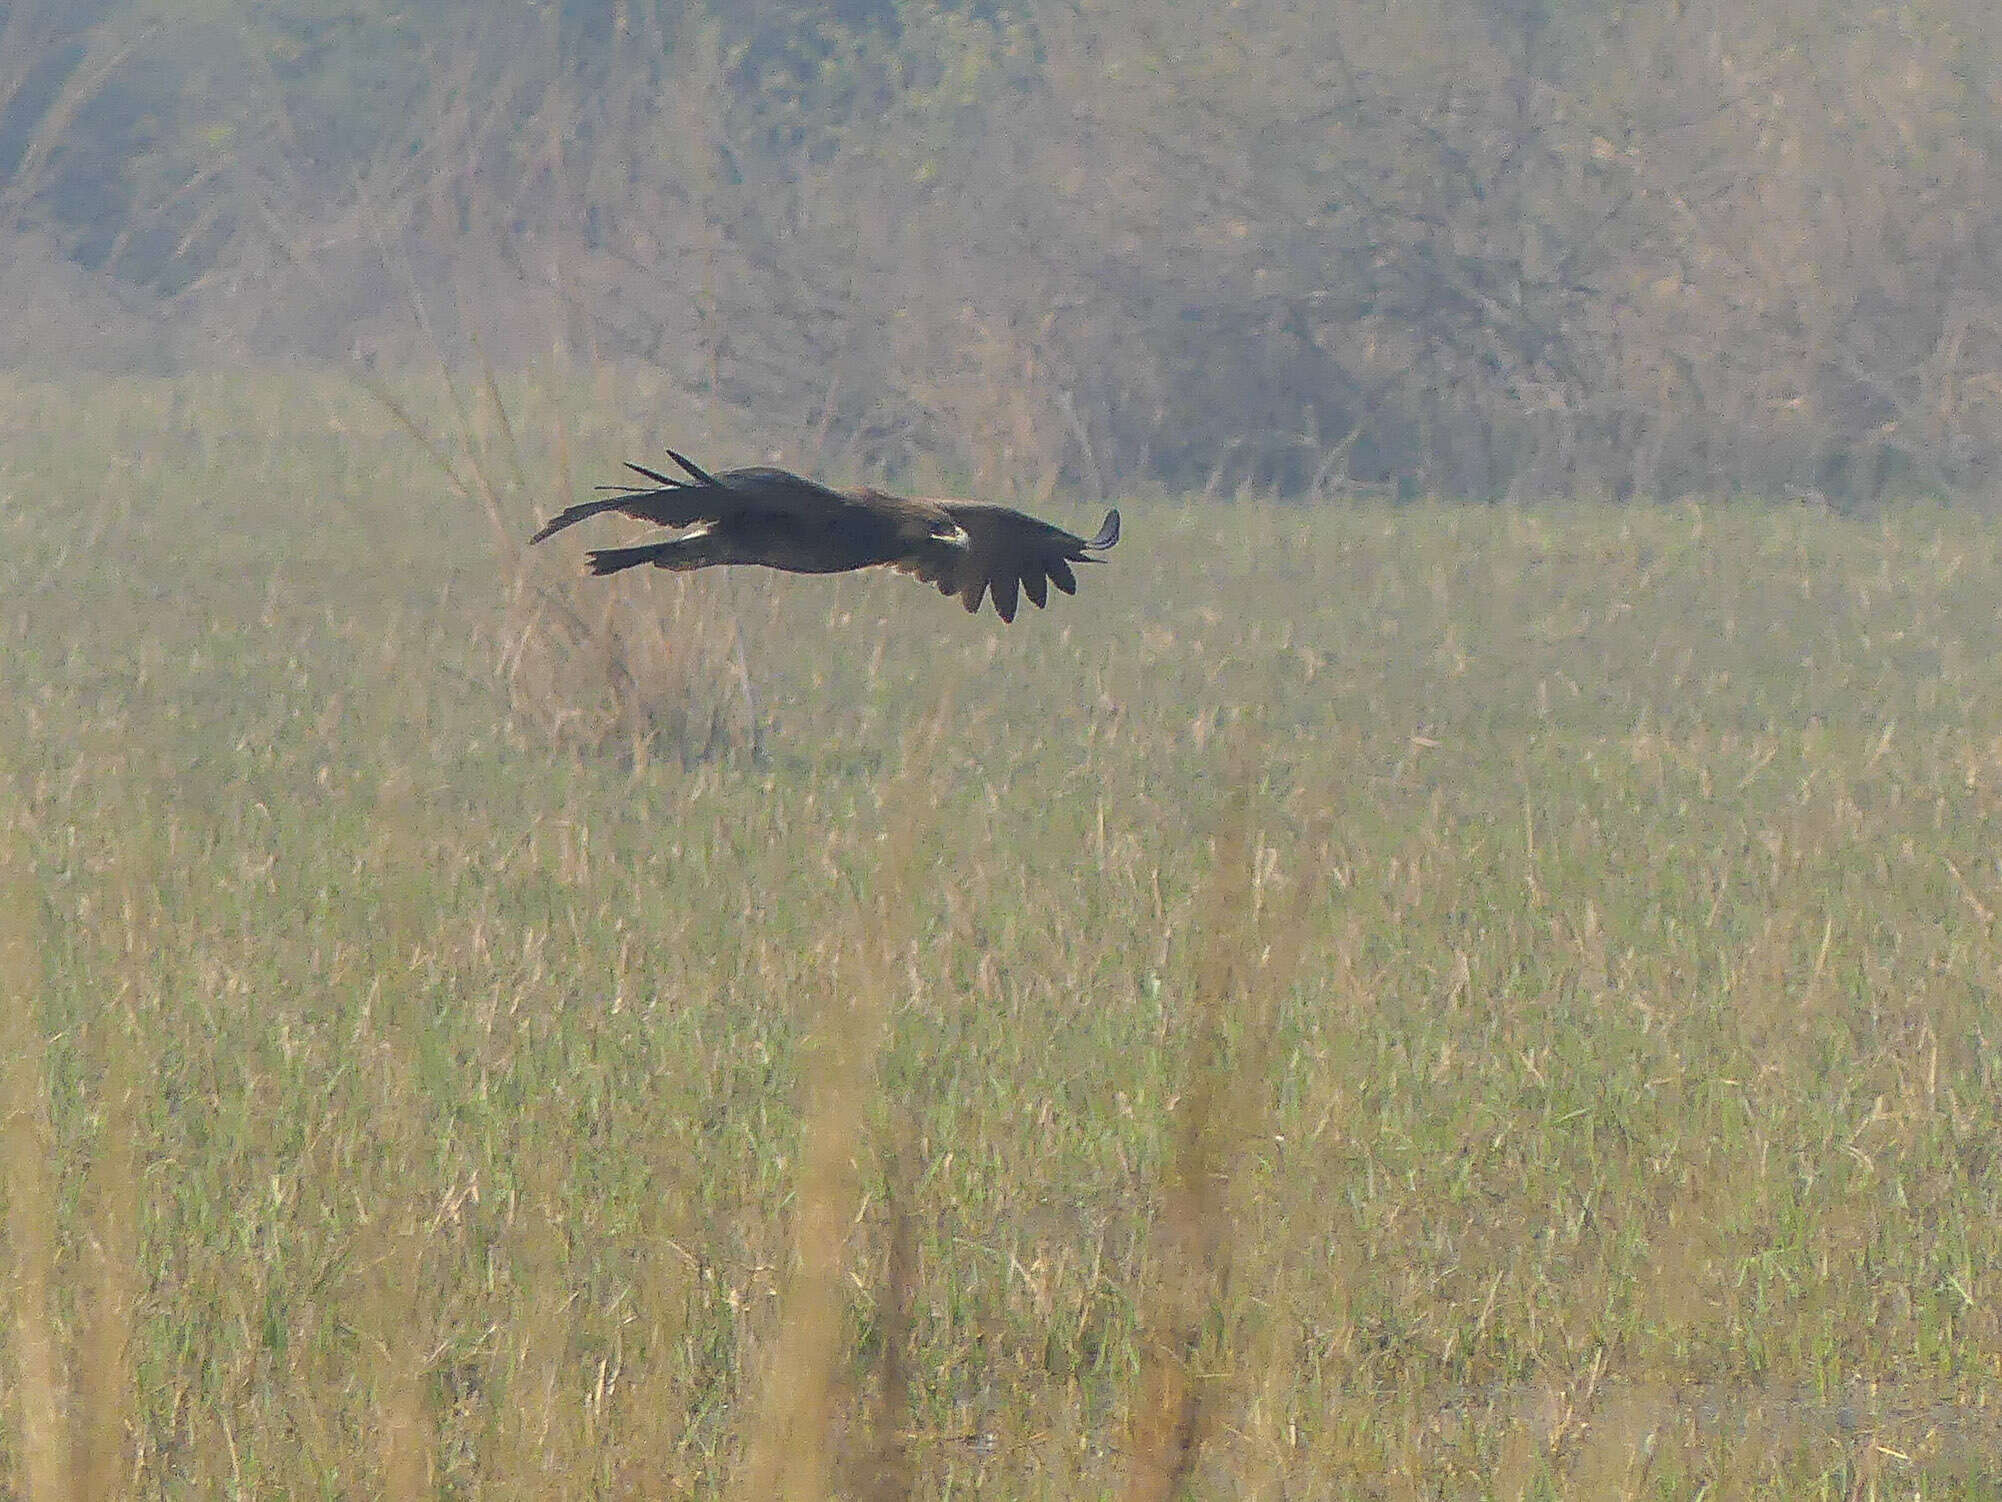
641	672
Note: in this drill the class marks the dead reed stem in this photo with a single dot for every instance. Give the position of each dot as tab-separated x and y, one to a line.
104	1386
1242	968
790	1453
889	1462
40	1387
103	1375
404	1434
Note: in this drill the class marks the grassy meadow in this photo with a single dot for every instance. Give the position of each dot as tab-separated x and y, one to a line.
1417	1002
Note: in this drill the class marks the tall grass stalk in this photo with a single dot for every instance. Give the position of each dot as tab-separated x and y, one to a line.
791	1452
39	1401
111	1282
1242	967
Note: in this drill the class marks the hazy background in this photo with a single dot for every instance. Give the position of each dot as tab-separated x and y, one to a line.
1487	248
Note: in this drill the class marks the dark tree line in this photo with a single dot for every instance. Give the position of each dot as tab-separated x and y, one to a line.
1483	247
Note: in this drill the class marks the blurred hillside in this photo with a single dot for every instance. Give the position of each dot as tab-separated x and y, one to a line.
1496	248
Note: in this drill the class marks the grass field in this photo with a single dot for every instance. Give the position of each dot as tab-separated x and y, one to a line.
1385	1003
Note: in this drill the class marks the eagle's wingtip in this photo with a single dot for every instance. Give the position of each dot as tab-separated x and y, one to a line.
666	482
702	475
559	521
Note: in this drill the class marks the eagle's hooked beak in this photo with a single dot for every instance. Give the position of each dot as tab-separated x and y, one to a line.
952	534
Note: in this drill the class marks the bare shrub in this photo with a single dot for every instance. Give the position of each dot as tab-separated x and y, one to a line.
638	671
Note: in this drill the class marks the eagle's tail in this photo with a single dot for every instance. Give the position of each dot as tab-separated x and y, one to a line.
612	560
693	549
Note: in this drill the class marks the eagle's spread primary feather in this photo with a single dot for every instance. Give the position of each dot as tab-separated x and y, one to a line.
780	520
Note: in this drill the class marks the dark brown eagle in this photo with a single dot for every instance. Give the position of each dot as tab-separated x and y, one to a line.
777	519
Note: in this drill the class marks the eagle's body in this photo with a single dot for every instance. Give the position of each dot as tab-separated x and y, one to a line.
777	519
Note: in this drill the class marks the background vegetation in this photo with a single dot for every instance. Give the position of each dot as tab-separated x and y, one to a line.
1367	1001
1472	247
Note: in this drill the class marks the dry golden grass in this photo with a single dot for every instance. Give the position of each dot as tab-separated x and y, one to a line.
1406	1003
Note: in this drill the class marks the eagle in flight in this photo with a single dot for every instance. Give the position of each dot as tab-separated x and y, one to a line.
780	520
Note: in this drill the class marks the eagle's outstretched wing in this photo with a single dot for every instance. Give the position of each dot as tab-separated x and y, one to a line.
703	497
1000	549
